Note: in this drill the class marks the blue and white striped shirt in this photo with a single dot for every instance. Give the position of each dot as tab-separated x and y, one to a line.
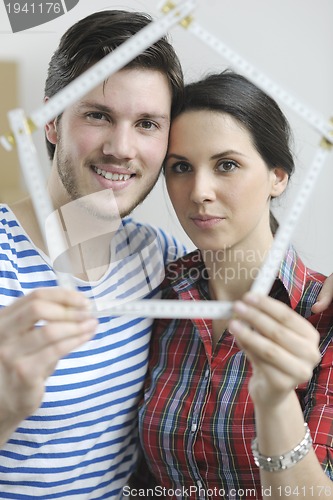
81	443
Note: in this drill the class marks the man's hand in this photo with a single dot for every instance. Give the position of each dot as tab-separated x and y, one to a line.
29	353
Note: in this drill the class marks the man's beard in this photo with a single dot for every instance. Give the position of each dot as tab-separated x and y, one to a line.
85	200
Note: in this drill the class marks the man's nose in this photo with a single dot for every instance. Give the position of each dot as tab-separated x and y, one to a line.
120	143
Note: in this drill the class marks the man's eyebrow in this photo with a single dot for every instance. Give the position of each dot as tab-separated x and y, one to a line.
94	105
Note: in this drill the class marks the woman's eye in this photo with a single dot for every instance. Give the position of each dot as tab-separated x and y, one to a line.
227	166
180	168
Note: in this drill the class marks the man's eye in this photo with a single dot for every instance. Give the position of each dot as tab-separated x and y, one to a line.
147	125
227	166
97	115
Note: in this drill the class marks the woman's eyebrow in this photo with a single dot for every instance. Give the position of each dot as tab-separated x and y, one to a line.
228	152
175	156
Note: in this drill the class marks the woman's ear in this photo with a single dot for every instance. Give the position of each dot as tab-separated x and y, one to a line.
280	181
51	129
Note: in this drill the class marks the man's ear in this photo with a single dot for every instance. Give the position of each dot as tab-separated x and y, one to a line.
280	181
51	129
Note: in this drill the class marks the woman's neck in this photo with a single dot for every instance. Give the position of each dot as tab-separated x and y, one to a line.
232	271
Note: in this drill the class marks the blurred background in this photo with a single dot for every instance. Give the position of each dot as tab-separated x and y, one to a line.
291	42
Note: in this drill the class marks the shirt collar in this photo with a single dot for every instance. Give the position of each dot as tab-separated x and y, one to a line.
189	272
293	275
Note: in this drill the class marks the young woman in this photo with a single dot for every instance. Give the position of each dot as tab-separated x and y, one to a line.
221	393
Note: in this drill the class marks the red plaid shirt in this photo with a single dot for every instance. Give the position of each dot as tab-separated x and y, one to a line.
197	419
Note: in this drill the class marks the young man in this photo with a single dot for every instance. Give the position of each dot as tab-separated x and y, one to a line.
69	385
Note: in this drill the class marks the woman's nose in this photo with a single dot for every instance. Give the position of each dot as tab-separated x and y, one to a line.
203	188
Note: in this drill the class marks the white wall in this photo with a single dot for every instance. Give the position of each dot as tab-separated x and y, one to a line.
291	41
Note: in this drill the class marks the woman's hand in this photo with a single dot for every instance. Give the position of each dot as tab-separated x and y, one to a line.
281	345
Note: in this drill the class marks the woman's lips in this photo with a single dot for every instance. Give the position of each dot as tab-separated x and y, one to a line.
206	221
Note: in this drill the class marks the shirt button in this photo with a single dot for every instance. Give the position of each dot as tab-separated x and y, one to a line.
199	484
194	427
207	373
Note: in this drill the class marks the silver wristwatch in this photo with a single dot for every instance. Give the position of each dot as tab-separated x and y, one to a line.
285	460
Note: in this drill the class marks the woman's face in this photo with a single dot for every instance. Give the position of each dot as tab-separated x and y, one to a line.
218	183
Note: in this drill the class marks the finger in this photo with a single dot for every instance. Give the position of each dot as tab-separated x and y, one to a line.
320	306
62	296
53	333
47	344
50	304
265	353
304	346
325	296
282	314
42	364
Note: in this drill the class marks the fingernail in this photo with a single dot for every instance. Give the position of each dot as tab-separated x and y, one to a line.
86	303
240	307
84	314
251	298
90	324
235	326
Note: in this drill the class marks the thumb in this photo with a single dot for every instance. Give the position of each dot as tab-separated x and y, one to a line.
325	296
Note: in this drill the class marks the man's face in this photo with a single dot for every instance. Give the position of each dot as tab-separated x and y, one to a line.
114	138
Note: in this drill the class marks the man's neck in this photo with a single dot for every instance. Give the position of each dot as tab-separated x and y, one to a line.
88	257
25	213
